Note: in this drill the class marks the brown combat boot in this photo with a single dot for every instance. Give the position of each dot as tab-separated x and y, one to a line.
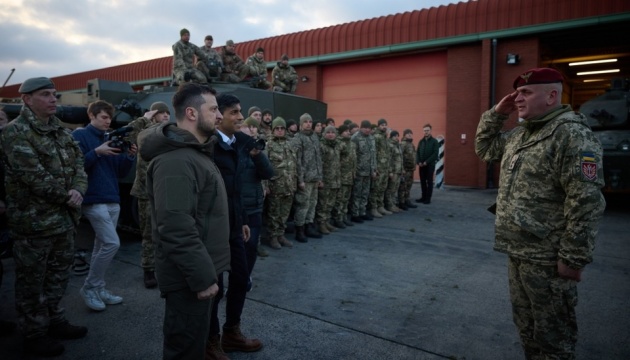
323	228
284	242
273	242
234	340
331	227
383	211
214	350
376	214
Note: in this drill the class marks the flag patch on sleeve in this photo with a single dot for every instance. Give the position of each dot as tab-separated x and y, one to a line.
589	166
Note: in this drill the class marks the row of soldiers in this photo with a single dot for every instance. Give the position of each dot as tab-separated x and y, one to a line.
331	177
205	64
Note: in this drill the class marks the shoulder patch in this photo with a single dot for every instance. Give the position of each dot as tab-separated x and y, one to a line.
588	165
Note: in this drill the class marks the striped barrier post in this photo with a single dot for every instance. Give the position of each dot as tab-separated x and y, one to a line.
439	166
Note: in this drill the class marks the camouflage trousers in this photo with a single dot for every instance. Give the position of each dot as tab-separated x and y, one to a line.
377	190
543	307
340	209
391	193
240	73
305	203
147	256
325	202
360	193
194	74
404	190
278	209
209	71
42	269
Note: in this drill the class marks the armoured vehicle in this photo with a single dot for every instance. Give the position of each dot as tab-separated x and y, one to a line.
609	117
130	104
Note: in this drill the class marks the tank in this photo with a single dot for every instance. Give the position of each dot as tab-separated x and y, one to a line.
130	104
608	116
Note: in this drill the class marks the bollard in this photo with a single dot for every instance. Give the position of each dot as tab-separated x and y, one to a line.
439	166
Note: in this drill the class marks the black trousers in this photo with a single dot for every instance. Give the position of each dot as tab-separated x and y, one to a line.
426	181
186	325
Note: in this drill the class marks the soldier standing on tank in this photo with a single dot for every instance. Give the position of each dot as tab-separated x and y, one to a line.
158	113
309	171
366	172
348	168
258	69
548	208
45	182
409	169
282	185
284	76
379	185
184	53
396	173
330	152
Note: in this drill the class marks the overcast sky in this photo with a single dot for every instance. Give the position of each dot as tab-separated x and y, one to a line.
60	37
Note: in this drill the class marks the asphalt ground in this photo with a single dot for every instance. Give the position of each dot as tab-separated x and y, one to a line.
422	284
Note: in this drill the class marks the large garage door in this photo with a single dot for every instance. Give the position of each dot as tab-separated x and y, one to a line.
409	91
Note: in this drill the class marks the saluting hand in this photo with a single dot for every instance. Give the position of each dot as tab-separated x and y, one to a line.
507	105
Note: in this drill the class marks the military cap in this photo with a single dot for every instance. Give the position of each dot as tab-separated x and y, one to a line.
278	122
329	128
381	122
250	121
160	107
184	31
366	124
34	84
229	43
284	57
267	111
393	133
260	50
407	131
305	117
538	76
209	37
252	110
343	128
290	123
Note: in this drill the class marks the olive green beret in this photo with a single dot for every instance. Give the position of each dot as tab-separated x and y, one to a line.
34	84
160	107
278	122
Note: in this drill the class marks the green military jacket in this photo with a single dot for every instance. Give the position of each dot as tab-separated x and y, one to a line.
330	156
366	154
260	66
284	77
184	56
396	163
309	158
409	155
549	203
347	160
382	152
281	154
139	189
42	163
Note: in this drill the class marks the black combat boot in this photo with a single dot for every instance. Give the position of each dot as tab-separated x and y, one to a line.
311	231
411	205
299	234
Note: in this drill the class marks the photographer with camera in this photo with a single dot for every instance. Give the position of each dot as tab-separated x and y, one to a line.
107	157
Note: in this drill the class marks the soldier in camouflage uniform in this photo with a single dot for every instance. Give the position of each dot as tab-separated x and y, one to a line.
309	171
284	76
548	207
45	182
282	185
184	53
330	150
366	171
158	113
409	168
234	69
213	67
258	69
396	173
348	168
292	128
379	185
265	125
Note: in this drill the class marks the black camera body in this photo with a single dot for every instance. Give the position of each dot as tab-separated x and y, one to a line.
258	144
117	138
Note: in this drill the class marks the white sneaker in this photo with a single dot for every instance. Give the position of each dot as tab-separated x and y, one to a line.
91	298
109	298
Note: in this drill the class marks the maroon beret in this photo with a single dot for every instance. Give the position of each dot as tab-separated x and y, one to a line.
538	76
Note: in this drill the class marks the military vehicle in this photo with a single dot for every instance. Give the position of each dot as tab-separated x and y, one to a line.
609	117
130	104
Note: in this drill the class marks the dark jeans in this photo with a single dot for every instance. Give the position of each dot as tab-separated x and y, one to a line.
235	297
255	226
426	181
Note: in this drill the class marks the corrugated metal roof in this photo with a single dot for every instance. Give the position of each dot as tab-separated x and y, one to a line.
434	23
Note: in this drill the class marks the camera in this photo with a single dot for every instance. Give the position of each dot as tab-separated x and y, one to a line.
258	144
117	138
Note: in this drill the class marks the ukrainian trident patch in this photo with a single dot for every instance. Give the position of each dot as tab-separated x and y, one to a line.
589	166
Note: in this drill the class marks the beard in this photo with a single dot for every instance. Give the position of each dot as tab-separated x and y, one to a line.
205	127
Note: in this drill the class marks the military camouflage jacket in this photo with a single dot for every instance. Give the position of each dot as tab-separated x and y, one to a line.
549	203
382	151
259	65
282	157
409	155
366	154
347	160
309	157
284	76
184	55
42	163
139	189
212	55
330	157
396	157
232	63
